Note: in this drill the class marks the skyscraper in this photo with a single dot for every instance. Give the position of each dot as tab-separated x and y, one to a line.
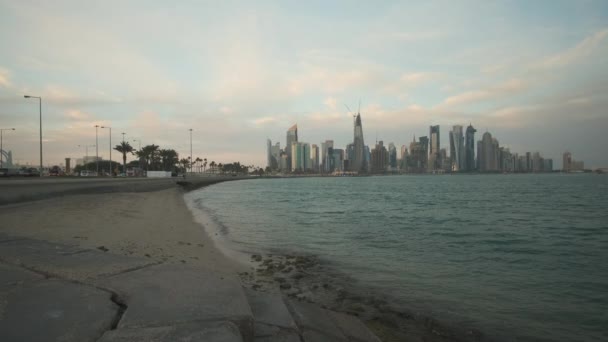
358	163
435	146
326	155
488	153
314	156
392	156
470	148
300	156
457	148
273	154
292	137
379	158
268	153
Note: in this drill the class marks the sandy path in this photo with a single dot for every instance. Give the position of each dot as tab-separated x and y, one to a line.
156	225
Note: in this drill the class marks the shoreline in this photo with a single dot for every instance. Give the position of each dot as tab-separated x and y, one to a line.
304	277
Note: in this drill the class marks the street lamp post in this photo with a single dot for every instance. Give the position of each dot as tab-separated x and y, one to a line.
97	150
190	151
110	128
40	107
124	163
1	148
139	149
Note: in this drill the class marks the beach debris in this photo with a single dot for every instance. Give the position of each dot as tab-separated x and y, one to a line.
103	248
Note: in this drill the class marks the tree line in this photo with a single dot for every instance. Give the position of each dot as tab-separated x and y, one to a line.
154	158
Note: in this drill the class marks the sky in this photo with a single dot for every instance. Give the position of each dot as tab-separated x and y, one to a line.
532	73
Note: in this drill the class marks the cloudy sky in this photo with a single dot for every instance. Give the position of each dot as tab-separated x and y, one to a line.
533	73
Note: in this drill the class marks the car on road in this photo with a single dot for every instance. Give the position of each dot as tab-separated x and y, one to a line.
86	173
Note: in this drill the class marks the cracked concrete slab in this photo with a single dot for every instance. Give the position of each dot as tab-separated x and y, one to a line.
269	308
55	310
66	261
169	294
311	317
353	328
13	276
216	332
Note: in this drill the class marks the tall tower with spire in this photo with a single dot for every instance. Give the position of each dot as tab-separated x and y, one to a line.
358	164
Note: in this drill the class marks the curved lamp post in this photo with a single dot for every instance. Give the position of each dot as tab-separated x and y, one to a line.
40	107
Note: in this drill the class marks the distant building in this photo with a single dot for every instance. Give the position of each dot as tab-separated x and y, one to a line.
68	166
488	153
326	156
87	160
380	158
273	154
571	165
470	149
300	157
417	160
457	148
357	164
314	156
284	162
291	138
392	157
337	160
435	146
548	165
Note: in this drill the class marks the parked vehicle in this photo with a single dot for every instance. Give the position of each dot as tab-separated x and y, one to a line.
56	171
86	173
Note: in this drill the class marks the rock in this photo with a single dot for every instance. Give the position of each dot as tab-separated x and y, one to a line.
285	286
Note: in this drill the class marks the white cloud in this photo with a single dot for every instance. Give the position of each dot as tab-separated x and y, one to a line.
266	120
4	80
583	49
506	88
331	103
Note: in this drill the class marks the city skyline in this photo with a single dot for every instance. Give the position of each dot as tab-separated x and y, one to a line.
535	75
466	154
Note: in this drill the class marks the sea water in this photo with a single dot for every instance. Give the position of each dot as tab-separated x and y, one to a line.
519	257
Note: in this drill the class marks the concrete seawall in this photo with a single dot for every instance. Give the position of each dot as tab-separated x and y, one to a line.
24	190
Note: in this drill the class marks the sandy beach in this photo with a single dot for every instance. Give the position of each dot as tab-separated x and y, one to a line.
155	225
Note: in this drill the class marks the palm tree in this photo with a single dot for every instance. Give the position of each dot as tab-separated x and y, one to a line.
212	165
184	164
204	164
150	154
168	159
198	160
124	148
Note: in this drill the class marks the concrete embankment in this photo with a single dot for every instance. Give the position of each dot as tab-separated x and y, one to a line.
32	189
134	266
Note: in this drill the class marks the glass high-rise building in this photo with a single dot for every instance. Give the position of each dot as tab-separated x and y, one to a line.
469	155
457	151
292	137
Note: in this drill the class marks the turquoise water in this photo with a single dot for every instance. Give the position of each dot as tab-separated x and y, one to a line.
519	257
